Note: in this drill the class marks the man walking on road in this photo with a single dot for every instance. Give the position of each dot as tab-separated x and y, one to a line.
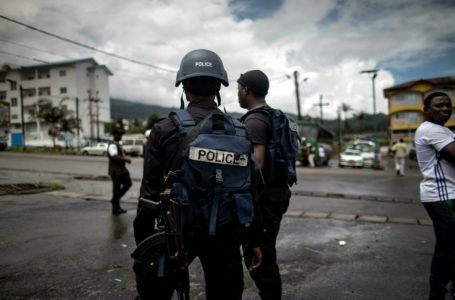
121	180
400	151
435	149
274	201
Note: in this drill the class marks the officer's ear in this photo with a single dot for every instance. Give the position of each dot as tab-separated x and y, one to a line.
247	90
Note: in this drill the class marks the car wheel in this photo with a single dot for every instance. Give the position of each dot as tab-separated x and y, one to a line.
84	153
104	153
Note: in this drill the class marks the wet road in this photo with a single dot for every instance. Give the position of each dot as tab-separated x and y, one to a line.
68	248
327	180
54	246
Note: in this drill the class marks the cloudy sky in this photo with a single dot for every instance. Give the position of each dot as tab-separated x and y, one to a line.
327	41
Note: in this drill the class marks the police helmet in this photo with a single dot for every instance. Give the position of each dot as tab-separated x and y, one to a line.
201	63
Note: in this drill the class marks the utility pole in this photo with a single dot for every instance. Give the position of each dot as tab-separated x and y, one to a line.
97	101
90	113
340	134
321	105
374	74
77	123
297	95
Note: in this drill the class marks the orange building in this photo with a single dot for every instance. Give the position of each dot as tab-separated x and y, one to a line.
405	103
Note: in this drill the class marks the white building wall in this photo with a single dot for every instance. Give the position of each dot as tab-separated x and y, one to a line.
80	79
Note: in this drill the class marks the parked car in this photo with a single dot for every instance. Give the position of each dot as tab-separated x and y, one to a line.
98	149
366	149
133	147
351	158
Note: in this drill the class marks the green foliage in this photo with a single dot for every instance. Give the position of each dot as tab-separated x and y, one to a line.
152	119
58	118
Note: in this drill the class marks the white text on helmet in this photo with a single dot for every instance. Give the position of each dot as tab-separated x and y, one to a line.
203	64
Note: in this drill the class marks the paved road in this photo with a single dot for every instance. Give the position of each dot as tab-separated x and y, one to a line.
326	180
58	245
68	248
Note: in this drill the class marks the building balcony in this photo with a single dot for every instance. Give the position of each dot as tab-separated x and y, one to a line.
404	126
400	108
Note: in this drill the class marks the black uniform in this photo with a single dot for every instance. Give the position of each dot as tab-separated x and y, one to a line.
121	180
220	254
273	201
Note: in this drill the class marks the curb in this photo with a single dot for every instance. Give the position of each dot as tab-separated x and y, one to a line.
355	197
357	218
289	214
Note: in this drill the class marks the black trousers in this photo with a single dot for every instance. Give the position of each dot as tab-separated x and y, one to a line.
221	261
274	204
121	183
442	213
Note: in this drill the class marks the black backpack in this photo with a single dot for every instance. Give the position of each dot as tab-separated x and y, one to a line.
281	149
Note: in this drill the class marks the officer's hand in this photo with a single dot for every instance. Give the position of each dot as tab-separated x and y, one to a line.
128	160
257	259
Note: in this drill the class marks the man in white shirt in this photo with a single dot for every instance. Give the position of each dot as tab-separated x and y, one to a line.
400	150
435	149
121	180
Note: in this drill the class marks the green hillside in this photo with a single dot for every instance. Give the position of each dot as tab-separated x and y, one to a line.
136	111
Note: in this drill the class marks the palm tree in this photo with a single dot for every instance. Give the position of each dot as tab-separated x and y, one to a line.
59	119
361	116
345	108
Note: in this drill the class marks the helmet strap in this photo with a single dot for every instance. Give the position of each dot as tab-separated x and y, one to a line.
182	103
218	98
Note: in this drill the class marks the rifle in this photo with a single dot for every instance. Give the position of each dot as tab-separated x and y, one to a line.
168	240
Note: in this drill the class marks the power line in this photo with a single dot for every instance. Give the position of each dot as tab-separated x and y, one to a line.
86	46
21	56
121	71
32	48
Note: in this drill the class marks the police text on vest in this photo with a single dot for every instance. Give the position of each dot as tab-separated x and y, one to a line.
218	157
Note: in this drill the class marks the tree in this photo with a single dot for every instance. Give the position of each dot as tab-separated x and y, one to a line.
152	119
345	108
58	118
361	116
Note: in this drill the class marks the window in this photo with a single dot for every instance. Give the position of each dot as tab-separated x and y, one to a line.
13	85
44	91
13	102
14	117
412	99
63	90
29	76
62	73
29	92
44	74
2	95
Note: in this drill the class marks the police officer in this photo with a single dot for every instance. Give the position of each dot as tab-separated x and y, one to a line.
201	74
121	180
274	199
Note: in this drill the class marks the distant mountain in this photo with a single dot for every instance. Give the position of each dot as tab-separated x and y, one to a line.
140	111
136	111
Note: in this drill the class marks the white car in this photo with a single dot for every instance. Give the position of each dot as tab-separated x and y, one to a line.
133	147
351	158
366	149
98	149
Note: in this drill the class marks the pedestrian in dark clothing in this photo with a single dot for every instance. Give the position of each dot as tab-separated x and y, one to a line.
435	149
274	199
201	73
121	180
